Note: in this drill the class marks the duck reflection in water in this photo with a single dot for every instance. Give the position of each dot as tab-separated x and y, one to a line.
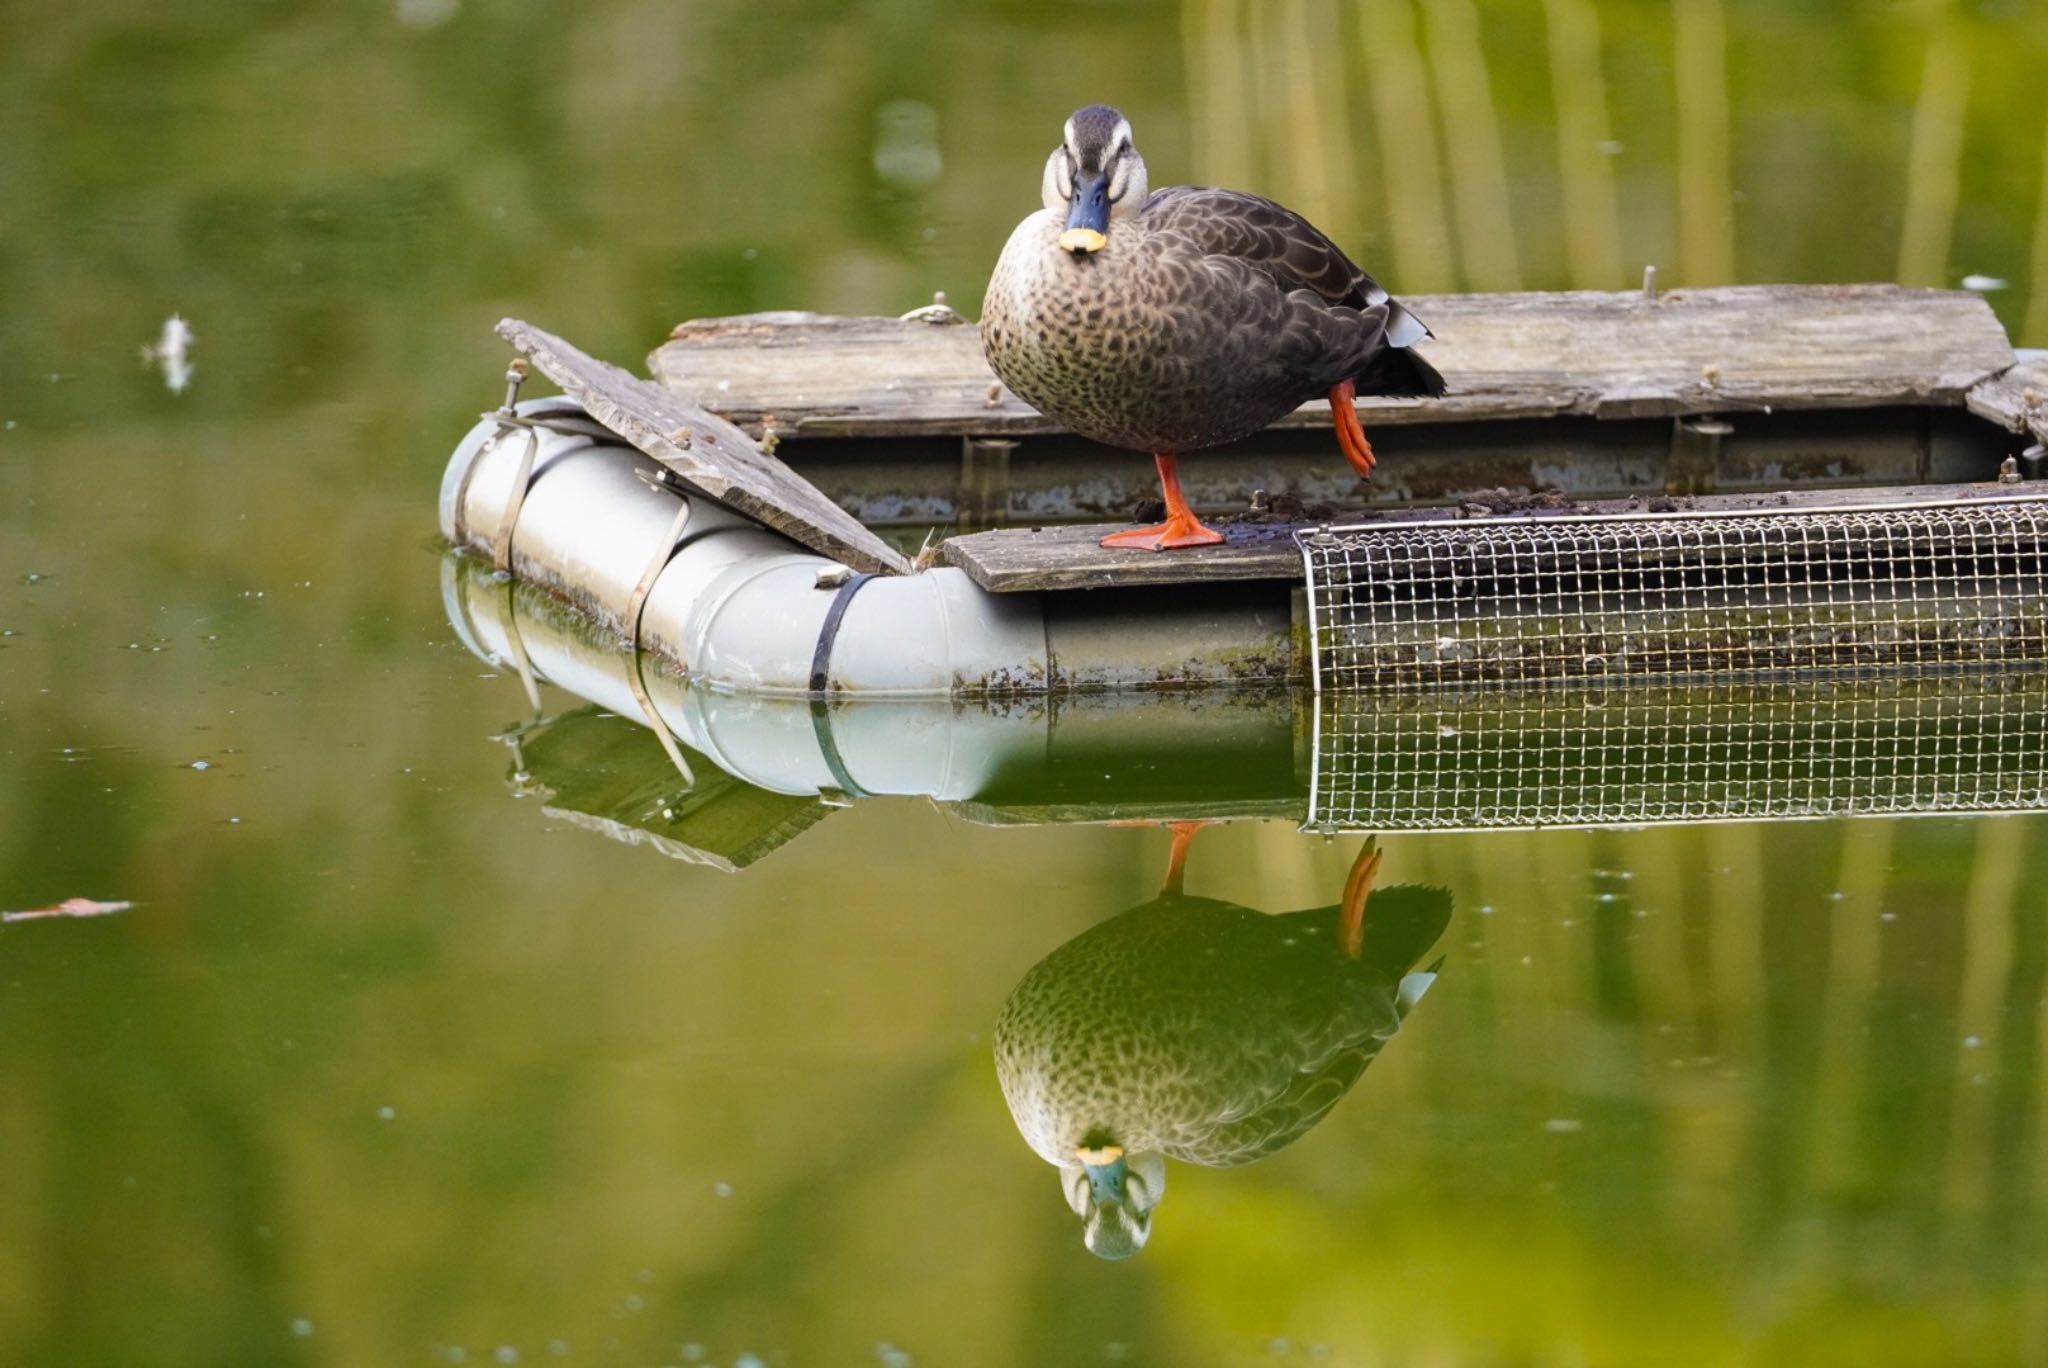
1203	1031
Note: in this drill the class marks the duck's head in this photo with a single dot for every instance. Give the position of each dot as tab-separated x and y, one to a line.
1113	1194
1094	177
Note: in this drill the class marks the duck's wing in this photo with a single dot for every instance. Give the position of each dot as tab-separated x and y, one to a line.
1286	1116
1280	244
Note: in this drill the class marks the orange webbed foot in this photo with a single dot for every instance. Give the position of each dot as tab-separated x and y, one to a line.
1181	527
1164	536
1350	432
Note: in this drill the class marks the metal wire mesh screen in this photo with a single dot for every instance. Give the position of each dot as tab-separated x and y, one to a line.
1678	596
1728	752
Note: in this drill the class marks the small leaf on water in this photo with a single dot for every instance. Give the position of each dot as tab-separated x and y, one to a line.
70	907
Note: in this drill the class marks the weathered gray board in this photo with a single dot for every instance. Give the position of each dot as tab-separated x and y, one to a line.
2016	400
607	774
706	451
1015	559
1534	355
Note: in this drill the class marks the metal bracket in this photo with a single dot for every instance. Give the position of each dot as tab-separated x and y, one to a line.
985	481
1695	462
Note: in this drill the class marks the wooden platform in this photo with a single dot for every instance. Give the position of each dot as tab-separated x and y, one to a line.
1054	558
1603	393
1531	355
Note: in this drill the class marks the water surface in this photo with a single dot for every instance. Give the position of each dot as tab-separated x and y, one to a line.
395	1060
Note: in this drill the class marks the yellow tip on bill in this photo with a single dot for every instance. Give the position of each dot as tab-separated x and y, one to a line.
1081	241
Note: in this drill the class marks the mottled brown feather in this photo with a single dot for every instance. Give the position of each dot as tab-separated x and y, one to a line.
1204	317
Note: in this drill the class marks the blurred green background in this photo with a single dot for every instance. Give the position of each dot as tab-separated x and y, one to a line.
387	1067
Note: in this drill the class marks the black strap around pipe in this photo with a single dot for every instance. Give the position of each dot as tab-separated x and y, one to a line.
821	659
821	674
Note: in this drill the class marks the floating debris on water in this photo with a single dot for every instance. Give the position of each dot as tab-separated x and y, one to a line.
721	1189
387	1113
890	1356
427	14
302	1327
1564	1125
172	352
1983	284
506	1353
70	907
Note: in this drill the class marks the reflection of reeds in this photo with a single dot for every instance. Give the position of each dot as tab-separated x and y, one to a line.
1852	968
1988	901
1479	182
1592	222
1934	164
1407	142
1706	227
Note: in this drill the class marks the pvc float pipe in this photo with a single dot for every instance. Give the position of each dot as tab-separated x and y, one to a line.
738	607
929	746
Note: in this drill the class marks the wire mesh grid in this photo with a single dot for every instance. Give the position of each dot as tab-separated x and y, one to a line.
1678	596
1493	759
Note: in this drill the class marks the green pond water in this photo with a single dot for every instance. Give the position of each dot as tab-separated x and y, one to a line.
424	1042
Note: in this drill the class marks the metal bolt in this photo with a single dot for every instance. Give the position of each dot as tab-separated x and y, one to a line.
2009	471
1650	284
515	376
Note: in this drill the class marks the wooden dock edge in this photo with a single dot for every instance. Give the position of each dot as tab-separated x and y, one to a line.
1018	560
1603	354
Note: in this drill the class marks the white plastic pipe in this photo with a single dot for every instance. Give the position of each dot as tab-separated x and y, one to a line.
733	605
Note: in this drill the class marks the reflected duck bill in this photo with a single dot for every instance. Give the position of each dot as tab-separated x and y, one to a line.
1105	1170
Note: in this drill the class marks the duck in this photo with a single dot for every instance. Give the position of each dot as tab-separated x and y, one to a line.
1195	1029
1166	321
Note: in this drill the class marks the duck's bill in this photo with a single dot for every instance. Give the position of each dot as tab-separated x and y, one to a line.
1087	216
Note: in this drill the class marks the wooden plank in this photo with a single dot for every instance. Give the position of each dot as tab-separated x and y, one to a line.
706	451
2016	400
1529	355
1015	560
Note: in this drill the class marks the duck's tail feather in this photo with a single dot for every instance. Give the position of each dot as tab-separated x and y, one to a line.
1395	369
1414	984
1401	924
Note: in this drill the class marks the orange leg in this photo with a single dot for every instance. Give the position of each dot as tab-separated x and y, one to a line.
1180	527
1357	888
1177	854
1350	434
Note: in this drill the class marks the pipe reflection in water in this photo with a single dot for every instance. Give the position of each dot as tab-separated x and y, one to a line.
1200	1030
